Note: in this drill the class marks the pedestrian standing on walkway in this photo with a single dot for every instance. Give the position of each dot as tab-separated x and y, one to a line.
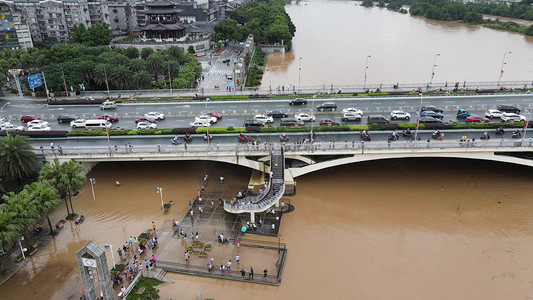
205	178
119	252
228	265
131	240
42	149
221	180
192	213
117	183
146	263
60	150
153	226
237	257
52	145
238	242
251	274
243	273
222	269
135	241
140	267
265	274
186	256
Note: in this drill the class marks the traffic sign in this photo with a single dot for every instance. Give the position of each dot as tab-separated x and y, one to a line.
35	81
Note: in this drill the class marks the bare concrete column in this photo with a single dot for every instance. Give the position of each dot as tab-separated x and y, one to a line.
252	218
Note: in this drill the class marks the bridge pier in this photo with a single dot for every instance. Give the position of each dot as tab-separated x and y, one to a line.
252	218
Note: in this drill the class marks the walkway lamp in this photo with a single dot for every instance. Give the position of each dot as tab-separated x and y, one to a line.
93	182
433	68
159	190
366	69
279	242
501	68
2	109
299	73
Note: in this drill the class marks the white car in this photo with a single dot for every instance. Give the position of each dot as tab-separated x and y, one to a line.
199	123
10	126
153	115
206	118
79	123
264	119
36	123
400	114
351	116
40	127
305	117
513	117
352	110
146	125
493	113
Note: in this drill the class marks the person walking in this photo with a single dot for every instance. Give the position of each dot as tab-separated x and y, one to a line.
237	258
119	252
243	273
228	265
265	274
222	269
237	241
153	226
251	274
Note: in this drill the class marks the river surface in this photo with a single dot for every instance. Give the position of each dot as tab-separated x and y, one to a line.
334	38
390	229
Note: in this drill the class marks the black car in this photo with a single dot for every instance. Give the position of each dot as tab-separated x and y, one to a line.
66	118
253	123
328	122
298	101
277	114
431	107
327	106
509	109
429	120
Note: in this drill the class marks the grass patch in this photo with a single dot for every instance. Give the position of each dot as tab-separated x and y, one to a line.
148	284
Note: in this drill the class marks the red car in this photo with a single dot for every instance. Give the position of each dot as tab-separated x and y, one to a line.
213	114
109	118
143	119
28	118
476	119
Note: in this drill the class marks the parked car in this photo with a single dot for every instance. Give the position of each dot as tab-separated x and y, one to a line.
155	115
306	117
36	123
328	122
277	114
463	113
476	119
146	125
213	114
509	109
206	118
433	114
431	107
327	106
291	122
143	119
79	123
298	101
253	123
351	116
352	110
506	117
108	117
66	118
400	114
493	113
378	119
10	126
264	119
198	123
28	118
40	127
429	120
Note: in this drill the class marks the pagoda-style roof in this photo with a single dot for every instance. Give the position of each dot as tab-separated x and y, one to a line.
163	11
162	27
159	3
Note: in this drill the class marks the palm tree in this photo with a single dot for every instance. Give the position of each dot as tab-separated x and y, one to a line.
45	198
141	80
16	158
155	64
9	230
64	177
23	210
120	76
137	65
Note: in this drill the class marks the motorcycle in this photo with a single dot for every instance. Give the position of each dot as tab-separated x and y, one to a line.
500	130
365	137
175	141
392	137
485	136
438	136
245	138
188	138
284	138
207	137
517	135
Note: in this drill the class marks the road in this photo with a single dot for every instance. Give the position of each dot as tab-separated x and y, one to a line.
236	112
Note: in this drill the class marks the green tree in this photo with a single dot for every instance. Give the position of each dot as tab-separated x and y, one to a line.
132	52
45	198
367	3
17	160
10	230
529	30
145	52
120	77
137	65
141	80
64	177
155	64
191	50
24	211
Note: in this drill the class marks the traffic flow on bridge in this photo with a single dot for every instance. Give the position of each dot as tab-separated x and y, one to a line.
312	112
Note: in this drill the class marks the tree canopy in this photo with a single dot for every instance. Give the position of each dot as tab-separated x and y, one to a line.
97	35
17	161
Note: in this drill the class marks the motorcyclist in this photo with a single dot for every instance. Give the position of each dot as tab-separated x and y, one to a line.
517	133
437	133
408	131
500	130
188	136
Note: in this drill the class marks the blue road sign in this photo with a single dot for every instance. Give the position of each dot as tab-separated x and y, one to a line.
35	81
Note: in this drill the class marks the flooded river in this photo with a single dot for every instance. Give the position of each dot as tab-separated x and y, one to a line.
402	229
334	38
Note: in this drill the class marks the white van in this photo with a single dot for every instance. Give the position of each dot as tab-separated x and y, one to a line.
108	105
97	124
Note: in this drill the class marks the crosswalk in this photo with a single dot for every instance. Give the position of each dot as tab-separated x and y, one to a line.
220	71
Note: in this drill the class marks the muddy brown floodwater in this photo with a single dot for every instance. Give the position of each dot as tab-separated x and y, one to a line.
390	229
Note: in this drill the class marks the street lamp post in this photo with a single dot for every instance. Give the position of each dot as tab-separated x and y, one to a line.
93	182
299	73
2	109
169	79
109	247
418	114
501	68
433	68
22	249
279	242
106	82
64	80
366	69
159	190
